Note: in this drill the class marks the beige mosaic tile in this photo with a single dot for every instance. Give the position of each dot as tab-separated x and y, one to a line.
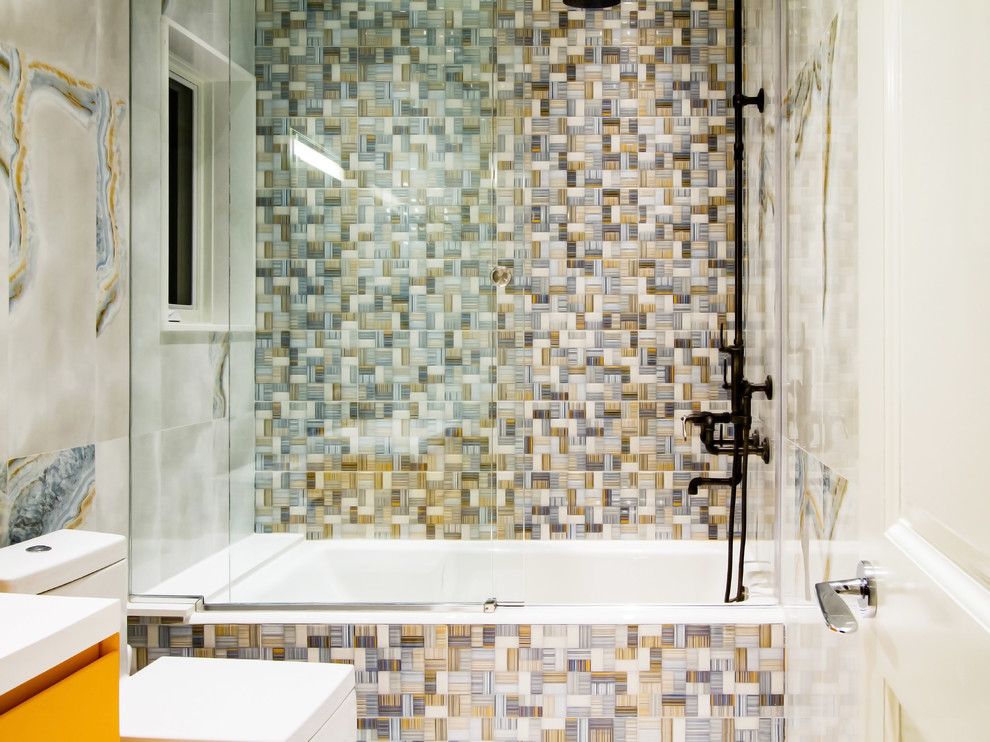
532	683
399	393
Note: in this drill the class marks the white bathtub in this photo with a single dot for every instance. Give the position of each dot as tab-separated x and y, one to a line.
608	580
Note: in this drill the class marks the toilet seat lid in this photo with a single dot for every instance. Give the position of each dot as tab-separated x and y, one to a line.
200	699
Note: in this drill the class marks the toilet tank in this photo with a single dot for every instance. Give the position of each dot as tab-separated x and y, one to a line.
81	564
67	562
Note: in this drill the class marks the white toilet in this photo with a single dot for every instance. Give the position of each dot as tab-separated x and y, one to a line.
188	699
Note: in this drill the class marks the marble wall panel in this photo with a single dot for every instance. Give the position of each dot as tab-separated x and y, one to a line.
53	341
147	511
110	511
186	396
240	400
46	492
64	159
190	389
822	695
819	136
818	142
241	476
181	503
97	50
7	209
4	511
147	370
192	455
240	374
819	509
113	292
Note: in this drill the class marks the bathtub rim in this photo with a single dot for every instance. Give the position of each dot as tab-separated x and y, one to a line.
514	580
191	610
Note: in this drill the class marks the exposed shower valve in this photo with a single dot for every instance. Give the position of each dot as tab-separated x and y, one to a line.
760	446
766	388
759	100
711	435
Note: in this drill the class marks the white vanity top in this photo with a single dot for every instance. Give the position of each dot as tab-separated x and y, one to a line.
37	632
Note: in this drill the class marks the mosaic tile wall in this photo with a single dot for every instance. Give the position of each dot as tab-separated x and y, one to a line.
539	683
399	393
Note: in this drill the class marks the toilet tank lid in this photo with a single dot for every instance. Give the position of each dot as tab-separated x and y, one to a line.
71	555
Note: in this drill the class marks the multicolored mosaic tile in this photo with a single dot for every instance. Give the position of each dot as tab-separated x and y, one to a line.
538	683
400	394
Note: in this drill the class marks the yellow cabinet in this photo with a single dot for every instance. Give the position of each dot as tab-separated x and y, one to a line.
59	669
82	707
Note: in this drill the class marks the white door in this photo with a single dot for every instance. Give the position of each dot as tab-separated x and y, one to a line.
924	92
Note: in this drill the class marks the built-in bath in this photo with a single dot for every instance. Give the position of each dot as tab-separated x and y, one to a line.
445	435
289	571
603	643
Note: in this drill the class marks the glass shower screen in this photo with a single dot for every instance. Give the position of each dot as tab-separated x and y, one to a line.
375	358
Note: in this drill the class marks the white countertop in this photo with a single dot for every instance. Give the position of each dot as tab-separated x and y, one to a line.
37	632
